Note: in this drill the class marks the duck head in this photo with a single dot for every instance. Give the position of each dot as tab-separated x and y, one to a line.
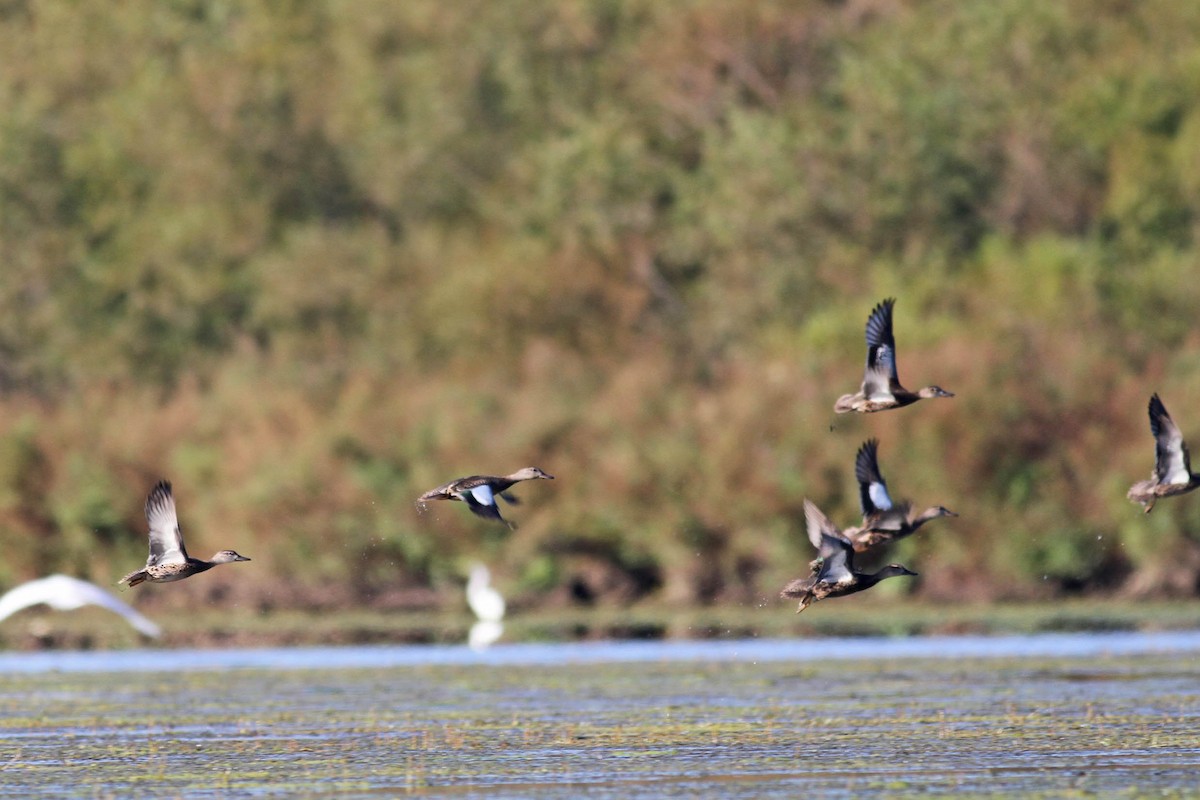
529	474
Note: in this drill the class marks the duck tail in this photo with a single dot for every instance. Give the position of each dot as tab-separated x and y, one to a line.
132	579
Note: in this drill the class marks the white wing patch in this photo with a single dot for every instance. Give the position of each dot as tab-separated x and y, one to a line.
885	360
483	495
879	496
1178	474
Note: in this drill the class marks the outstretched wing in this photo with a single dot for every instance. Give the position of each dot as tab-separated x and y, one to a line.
880	374
482	502
1172	464
872	488
835	550
817	523
66	593
166	541
23	596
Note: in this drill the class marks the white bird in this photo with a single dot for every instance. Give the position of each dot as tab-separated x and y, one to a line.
485	601
64	593
488	606
483	634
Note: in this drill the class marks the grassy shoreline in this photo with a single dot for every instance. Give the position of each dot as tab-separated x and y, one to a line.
96	629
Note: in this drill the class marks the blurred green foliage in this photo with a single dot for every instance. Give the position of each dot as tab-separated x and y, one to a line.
309	259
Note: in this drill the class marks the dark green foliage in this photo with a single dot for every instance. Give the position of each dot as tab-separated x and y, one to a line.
309	262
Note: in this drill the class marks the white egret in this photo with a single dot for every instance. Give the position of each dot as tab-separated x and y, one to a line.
488	606
485	601
64	593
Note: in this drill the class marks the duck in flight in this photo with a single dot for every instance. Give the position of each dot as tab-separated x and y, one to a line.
836	575
881	387
883	520
168	559
479	492
1172	464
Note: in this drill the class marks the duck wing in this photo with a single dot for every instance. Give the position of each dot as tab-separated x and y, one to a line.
1172	464
482	502
817	524
837	560
166	540
872	488
835	550
880	375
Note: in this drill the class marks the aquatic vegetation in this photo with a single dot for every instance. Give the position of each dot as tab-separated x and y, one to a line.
1001	726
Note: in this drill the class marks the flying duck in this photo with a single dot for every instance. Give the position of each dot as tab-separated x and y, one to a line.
836	575
479	492
1172	465
883	520
881	388
168	559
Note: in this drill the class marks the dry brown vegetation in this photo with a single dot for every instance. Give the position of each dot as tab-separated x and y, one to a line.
308	263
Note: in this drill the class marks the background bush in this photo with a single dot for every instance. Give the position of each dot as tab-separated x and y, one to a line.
309	260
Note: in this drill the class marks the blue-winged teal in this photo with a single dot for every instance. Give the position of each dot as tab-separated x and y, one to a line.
881	388
1172	464
479	492
883	520
836	575
168	559
64	593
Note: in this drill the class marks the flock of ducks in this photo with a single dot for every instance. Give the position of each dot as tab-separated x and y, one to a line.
831	574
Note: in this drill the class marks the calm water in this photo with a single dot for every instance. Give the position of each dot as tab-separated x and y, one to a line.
1064	645
1050	715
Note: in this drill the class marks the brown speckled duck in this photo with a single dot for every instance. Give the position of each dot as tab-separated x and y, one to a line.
479	492
168	559
881	387
1172	464
836	575
883	520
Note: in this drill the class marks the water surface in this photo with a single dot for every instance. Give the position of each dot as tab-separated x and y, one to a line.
1065	645
1053	715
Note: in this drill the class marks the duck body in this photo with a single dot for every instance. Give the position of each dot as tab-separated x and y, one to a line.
883	520
177	571
479	492
881	388
169	560
835	575
1172	463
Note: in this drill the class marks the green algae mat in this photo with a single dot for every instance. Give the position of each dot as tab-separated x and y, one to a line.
1110	726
